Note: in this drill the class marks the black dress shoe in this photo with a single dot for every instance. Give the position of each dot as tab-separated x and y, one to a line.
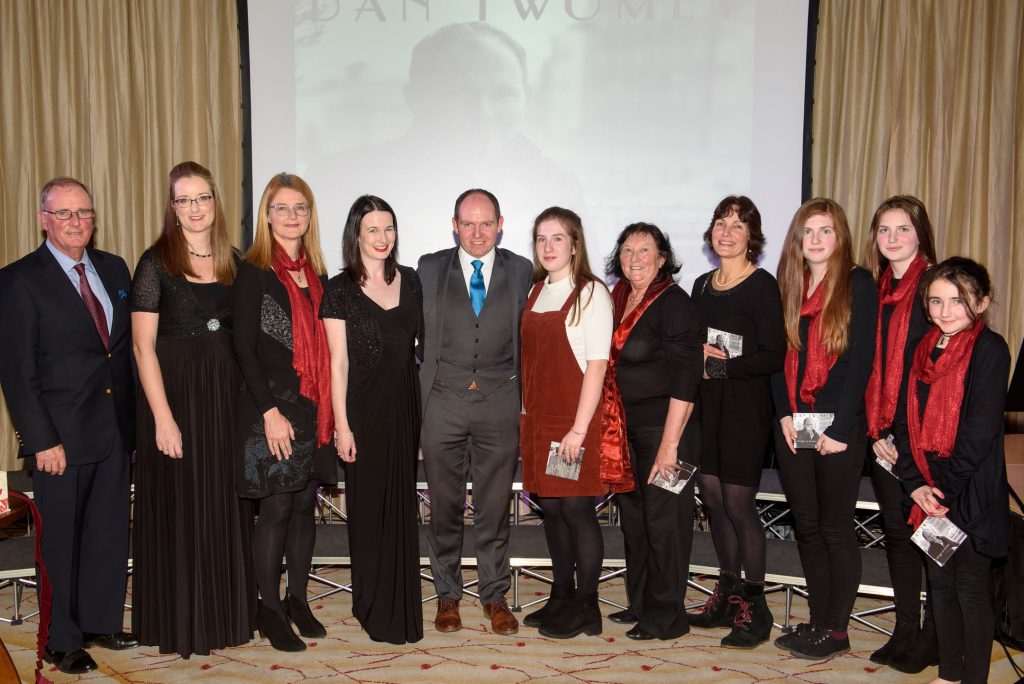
118	641
72	662
638	633
623	617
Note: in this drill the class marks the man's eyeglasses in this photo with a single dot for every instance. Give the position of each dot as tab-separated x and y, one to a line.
186	202
65	214
284	211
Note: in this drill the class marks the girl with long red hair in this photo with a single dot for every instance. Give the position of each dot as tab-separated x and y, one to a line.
830	308
949	429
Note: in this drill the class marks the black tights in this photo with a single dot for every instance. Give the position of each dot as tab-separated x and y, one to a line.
285	527
574	541
736	527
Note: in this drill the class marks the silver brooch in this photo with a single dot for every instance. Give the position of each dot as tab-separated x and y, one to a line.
213	325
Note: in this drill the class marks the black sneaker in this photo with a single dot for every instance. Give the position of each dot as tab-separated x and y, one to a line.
795	636
820	645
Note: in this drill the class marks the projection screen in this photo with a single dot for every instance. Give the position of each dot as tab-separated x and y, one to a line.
622	110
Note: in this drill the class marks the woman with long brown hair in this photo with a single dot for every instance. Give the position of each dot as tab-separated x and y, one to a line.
566	333
830	308
285	418
192	582
900	247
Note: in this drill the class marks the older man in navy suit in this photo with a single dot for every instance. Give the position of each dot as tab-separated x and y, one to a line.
473	297
65	370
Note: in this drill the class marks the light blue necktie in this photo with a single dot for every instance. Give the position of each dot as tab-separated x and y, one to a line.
476	287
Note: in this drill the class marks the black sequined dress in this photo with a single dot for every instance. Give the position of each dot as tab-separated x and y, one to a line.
383	404
192	585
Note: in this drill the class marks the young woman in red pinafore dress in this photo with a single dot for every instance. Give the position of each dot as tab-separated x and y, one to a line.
566	336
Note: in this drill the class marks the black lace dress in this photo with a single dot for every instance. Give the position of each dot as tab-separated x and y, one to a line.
263	345
383	404
192	589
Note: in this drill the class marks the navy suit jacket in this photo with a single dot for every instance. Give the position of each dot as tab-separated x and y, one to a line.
60	383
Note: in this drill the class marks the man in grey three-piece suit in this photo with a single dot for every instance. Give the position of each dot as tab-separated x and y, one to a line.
473	297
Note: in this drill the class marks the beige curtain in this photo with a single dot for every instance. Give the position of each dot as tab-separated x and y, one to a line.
114	93
926	97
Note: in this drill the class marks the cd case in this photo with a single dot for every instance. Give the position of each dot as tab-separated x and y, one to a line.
730	343
809	427
886	466
939	538
559	467
679	479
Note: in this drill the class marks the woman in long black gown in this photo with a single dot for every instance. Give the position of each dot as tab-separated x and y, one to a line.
285	417
373	311
192	584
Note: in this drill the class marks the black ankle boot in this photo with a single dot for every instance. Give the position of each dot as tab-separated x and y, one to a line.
275	627
299	612
581	616
753	622
561	596
717	611
903	637
923	651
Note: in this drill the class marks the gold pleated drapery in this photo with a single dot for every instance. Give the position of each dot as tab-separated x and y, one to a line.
926	97
114	93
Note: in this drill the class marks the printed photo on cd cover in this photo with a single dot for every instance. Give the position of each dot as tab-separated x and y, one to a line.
939	538
730	343
886	465
809	427
679	480
559	467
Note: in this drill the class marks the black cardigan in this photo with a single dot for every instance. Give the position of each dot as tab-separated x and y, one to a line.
973	478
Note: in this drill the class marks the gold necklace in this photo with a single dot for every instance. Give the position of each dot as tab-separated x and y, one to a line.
718	276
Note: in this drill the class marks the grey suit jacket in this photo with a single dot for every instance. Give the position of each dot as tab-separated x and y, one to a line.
433	272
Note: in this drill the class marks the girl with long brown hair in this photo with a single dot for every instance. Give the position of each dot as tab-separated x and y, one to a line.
566	334
900	247
829	307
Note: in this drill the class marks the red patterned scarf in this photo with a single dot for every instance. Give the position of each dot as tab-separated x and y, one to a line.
942	412
615	468
881	396
310	356
819	361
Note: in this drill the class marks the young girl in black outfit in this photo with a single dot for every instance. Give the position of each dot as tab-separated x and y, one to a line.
900	247
830	309
949	428
742	301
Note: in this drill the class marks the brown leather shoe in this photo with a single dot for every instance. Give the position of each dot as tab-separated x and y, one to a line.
448	619
502	619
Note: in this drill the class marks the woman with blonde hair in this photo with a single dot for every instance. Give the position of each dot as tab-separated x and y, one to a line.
192	588
566	335
285	417
829	307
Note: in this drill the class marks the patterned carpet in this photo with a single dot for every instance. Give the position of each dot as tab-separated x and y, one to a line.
477	655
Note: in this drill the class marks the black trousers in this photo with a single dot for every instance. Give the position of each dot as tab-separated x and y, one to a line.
822	494
657	526
905	560
85	546
961	597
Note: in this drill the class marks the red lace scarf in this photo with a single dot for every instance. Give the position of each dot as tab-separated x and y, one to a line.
881	395
946	375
